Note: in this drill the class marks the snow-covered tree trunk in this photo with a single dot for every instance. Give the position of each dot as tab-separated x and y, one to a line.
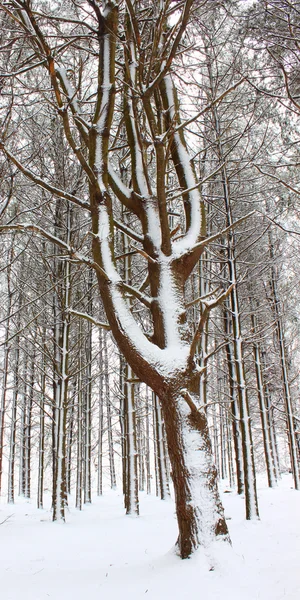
294	457
236	428
111	452
3	401
199	511
239	367
42	405
25	445
229	448
147	442
14	408
100	419
70	436
13	429
271	419
243	403
159	446
140	439
88	401
79	441
131	499
59	487
128	417
265	420
40	490
61	391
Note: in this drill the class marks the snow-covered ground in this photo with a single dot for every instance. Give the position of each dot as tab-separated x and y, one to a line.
100	553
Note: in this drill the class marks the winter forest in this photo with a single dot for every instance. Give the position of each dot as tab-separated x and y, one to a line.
149	322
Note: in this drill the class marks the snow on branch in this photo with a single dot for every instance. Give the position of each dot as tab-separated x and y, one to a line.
209	305
89	318
199	184
214	237
71	252
137	294
42	183
128	231
281	181
210	105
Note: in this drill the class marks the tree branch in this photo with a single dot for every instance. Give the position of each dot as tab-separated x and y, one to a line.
208	307
43	184
89	318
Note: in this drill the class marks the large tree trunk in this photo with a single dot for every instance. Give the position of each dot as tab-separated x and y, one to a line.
199	510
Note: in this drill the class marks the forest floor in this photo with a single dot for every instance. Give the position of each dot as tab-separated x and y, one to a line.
100	553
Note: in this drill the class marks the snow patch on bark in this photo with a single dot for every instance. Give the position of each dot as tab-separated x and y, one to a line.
200	466
192	235
167	361
105	239
106	88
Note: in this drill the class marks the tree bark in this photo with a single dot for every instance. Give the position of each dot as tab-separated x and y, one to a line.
199	510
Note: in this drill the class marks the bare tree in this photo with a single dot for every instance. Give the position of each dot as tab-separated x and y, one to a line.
109	71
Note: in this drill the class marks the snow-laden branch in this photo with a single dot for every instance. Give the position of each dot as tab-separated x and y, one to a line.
126	196
208	306
278	179
137	294
71	96
89	318
182	24
219	234
128	231
24	70
202	298
8	199
185	172
71	252
41	182
199	184
209	106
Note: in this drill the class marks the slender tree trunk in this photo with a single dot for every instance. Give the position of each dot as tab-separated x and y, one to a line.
270	416
223	442
140	440
203	290
112	469
131	498
70	436
40	493
215	438
28	428
247	445
22	437
59	483
236	427
229	449
88	402
284	374
147	442
79	470
242	394
5	367
41	464
163	483
13	427
265	422
100	419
